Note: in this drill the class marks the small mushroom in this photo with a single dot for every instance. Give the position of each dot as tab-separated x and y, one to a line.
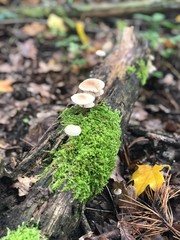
93	85
117	191
90	105
82	98
72	130
100	53
101	92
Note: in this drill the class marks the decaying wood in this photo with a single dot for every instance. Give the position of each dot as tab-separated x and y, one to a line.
58	215
92	10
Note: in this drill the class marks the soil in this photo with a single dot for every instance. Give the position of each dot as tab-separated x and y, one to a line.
42	78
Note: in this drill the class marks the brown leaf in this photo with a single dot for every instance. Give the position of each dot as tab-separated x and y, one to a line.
50	66
28	49
116	176
153	124
7	68
139	113
4	2
23	184
5	85
33	29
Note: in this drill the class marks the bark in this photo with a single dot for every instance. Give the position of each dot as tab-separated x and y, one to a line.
91	10
58	215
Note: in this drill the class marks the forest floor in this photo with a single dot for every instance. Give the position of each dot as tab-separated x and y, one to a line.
41	67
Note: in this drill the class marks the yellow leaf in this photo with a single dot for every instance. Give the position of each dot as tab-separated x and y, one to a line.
147	175
5	85
81	33
177	19
56	23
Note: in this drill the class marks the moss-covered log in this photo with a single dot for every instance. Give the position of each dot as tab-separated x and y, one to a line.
58	212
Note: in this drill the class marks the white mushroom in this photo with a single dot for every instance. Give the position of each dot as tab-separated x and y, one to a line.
93	85
117	191
72	130
90	105
100	53
82	98
101	92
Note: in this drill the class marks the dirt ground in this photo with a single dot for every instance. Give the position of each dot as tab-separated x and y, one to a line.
40	68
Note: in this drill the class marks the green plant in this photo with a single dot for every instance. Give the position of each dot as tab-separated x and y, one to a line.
85	162
155	25
140	69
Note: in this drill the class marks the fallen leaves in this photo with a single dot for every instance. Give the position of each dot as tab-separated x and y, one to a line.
6	85
147	175
33	29
28	49
23	184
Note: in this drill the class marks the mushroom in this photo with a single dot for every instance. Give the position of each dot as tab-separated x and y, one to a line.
90	105
82	98
100	53
117	191
72	130
101	92
93	85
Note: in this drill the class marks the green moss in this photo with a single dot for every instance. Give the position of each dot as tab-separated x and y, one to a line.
85	162
141	71
24	233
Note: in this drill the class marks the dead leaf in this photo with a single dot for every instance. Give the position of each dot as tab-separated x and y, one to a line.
28	49
116	176
147	175
139	113
33	29
23	184
7	68
4	2
42	89
153	124
5	85
48	67
56	23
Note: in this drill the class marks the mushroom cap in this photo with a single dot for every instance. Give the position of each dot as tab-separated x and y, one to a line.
100	53
72	130
82	98
117	191
101	92
90	105
92	85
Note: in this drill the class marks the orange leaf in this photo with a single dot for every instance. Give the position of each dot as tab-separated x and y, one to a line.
33	29
5	85
147	175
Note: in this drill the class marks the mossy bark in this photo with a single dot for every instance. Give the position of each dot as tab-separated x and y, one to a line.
59	214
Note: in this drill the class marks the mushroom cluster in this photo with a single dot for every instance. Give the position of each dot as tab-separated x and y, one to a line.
92	88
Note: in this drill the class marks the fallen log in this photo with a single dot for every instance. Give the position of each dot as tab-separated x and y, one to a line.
58	213
89	10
